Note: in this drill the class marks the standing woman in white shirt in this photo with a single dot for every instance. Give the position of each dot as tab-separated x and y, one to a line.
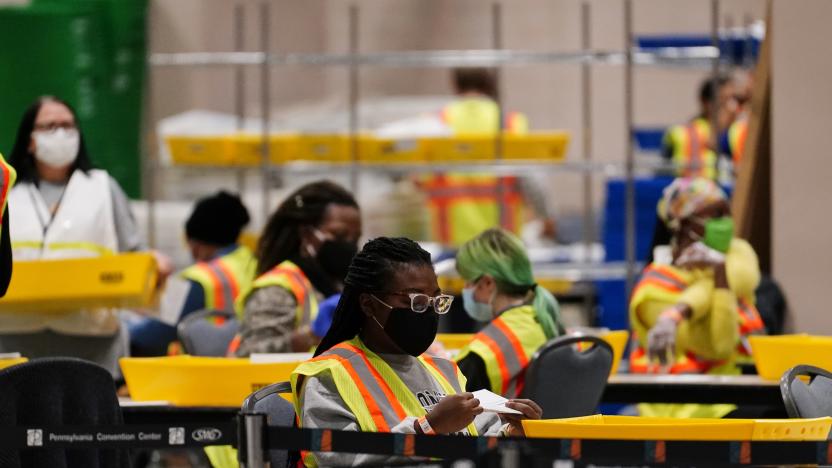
63	208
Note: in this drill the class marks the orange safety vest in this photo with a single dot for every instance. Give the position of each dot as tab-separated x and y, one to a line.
223	278
692	153
664	279
290	277
505	346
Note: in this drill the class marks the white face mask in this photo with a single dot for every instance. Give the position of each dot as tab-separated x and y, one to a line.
57	148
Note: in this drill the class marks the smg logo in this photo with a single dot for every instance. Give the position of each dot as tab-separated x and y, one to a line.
206	434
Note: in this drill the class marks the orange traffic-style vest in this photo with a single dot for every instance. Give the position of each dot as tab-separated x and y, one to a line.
737	136
662	279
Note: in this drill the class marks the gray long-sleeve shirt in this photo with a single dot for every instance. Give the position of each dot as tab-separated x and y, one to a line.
322	407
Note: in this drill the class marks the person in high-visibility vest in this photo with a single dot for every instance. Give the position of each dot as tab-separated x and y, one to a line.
8	175
690	147
521	316
463	205
302	257
223	269
693	307
65	208
370	372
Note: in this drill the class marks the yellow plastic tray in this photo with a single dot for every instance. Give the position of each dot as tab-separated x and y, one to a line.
461	148
390	151
536	146
199	381
774	355
618	340
4	363
126	280
638	428
201	150
454	340
454	284
322	148
246	148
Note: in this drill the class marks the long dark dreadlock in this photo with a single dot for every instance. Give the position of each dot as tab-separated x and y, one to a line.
369	272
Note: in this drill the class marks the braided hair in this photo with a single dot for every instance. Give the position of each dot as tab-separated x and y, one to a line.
370	272
304	207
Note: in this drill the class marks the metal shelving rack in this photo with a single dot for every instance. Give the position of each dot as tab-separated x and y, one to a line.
685	57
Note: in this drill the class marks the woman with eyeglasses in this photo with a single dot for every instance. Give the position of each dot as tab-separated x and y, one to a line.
369	372
64	208
302	258
522	316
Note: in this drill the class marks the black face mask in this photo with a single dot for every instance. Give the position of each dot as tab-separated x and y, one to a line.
412	332
335	256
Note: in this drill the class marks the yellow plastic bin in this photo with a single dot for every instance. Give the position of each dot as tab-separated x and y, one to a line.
460	148
199	381
247	148
391	151
200	150
774	355
638	428
455	341
322	148
618	340
124	280
542	146
8	362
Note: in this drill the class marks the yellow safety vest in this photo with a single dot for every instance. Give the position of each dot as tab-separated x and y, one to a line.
9	175
692	152
223	278
505	346
737	135
371	389
290	277
463	205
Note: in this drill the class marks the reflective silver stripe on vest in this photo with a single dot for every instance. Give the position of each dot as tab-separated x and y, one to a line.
362	369
306	317
667	278
225	284
448	370
511	359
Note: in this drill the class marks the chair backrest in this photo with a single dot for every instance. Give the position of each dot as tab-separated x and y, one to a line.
200	334
278	411
59	392
567	376
807	399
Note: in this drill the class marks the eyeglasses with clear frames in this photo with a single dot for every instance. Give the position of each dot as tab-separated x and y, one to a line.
420	303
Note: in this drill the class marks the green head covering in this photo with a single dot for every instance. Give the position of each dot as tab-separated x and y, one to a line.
501	255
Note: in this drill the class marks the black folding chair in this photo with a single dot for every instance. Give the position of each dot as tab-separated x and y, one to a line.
278	411
201	336
59	392
567	376
807	392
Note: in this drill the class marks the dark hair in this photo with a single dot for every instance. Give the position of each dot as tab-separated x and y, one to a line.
23	160
304	207
481	80
709	88
370	271
217	219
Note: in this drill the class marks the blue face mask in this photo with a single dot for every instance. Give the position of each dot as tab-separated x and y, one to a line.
476	310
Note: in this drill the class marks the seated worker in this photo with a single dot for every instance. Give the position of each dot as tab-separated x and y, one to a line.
369	373
521	316
302	257
692	311
222	270
690	146
463	205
